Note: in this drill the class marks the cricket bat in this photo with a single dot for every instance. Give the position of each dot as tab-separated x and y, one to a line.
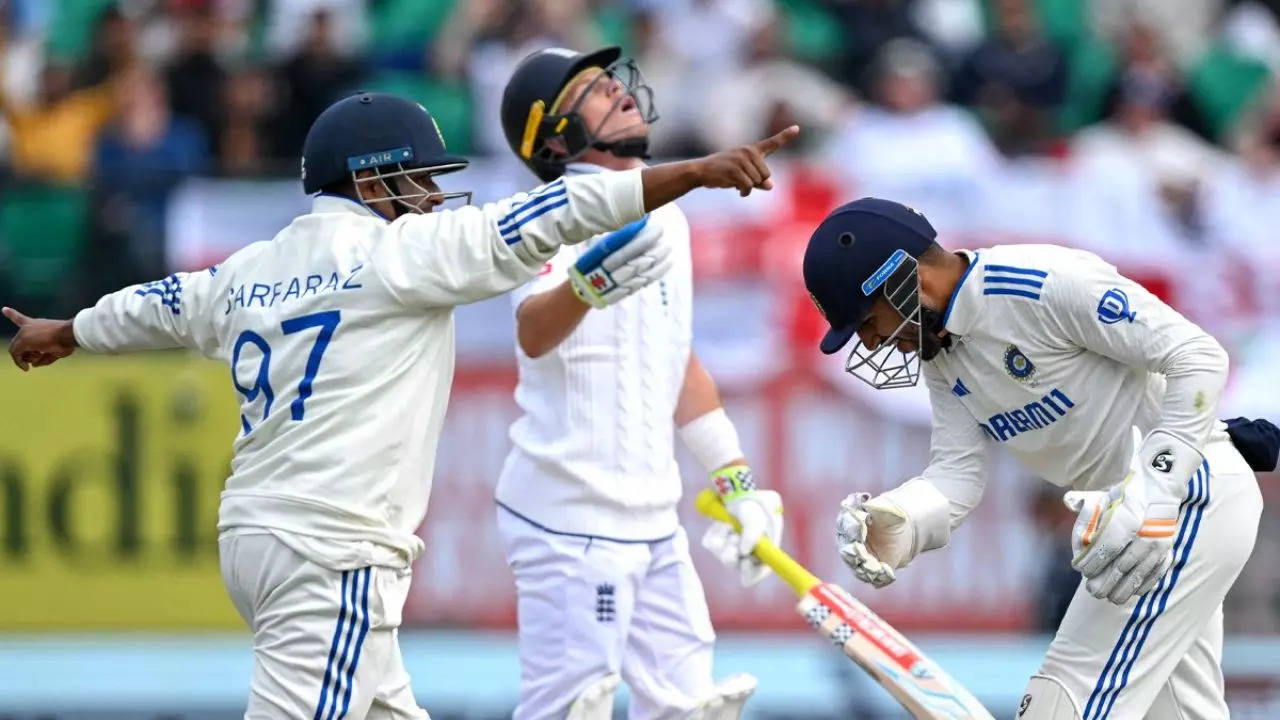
913	679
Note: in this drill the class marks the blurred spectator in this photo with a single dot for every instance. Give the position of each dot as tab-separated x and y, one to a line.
194	76
867	26
493	36
953	26
1181	28
911	147
1015	79
1242	188
313	79
676	126
291	23
770	93
139	160
703	44
1142	143
245	140
53	138
1252	29
1235	196
1143	60
114	48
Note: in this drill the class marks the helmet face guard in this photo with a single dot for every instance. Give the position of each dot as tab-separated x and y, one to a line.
414	198
885	366
573	136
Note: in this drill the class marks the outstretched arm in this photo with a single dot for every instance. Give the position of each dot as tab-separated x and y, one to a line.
151	316
450	258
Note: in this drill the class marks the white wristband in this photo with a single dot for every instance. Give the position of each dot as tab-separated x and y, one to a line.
928	513
712	440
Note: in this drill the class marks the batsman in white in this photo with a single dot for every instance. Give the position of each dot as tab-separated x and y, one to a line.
339	335
587	497
1052	353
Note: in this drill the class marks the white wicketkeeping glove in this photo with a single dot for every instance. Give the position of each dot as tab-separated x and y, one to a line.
873	536
759	514
620	263
1122	540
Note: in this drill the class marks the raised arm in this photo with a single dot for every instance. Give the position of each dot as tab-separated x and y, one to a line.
450	258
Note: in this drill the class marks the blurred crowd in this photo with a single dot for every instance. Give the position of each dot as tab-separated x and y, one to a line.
110	104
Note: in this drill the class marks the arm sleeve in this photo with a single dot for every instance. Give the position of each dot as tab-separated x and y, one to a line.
152	316
451	258
939	499
1096	308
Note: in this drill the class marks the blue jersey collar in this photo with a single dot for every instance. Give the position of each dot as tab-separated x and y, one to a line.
958	322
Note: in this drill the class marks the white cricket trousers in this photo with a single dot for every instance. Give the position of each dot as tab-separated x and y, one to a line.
588	607
1159	656
324	642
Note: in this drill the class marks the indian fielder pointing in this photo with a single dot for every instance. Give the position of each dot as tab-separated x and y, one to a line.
339	336
587	497
1053	354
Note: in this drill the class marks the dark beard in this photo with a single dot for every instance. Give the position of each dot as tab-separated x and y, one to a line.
932	341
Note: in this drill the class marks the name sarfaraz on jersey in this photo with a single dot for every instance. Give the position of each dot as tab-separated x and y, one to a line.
1033	416
245	295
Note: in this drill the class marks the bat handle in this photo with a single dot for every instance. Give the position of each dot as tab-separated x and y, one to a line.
792	573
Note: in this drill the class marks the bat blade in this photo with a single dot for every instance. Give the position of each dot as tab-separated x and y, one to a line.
912	678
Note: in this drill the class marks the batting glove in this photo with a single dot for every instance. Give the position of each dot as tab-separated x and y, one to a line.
620	263
1122	540
759	515
873	535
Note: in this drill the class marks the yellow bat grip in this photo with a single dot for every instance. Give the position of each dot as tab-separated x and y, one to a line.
792	573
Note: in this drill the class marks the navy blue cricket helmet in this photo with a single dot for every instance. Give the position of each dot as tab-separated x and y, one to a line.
390	135
864	250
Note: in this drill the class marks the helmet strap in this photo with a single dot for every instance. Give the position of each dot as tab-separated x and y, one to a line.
627	147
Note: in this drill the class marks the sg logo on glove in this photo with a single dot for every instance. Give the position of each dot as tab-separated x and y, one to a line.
1163	461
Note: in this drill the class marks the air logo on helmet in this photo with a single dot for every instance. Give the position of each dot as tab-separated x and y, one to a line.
379	158
817	304
879	276
1018	365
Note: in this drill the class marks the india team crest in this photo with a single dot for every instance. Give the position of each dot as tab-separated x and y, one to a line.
1018	366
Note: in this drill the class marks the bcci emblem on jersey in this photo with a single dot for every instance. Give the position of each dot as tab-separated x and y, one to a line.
1018	365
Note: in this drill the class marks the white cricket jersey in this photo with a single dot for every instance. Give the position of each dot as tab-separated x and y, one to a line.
593	449
1057	356
339	334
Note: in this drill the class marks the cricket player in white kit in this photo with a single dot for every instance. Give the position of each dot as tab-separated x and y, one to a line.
339	335
1052	353
587	497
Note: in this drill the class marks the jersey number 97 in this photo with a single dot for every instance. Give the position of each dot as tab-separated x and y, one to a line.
326	322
